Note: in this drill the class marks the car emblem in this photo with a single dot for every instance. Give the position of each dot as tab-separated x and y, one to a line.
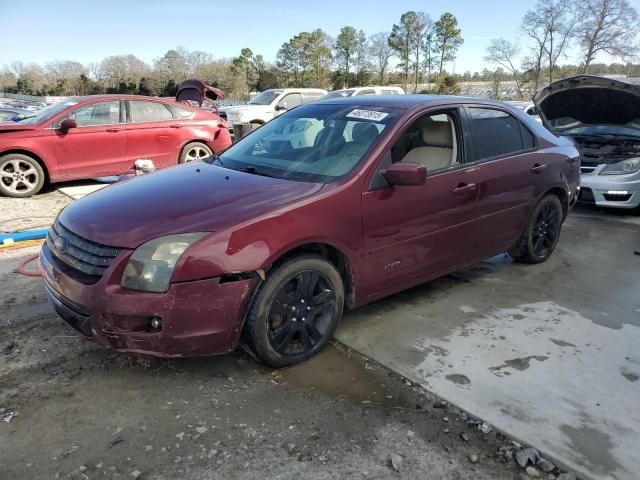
61	244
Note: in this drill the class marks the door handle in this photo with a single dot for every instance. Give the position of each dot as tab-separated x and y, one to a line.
113	130
537	168
464	188
175	125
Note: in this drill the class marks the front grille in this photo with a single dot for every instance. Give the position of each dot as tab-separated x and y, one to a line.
79	253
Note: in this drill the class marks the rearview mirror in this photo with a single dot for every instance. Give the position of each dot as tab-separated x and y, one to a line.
282	105
68	123
405	174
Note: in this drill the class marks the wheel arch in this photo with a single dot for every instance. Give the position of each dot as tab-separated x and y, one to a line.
562	194
333	255
36	157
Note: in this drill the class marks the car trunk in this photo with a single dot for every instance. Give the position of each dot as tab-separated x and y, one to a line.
198	92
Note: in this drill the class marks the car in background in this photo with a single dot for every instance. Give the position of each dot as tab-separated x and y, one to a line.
602	115
103	135
528	107
268	242
10	114
269	104
357	91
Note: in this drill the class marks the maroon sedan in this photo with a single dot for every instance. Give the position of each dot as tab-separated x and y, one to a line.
96	136
329	206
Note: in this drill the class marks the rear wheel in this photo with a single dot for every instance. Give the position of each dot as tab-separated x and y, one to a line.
20	176
296	311
542	232
194	151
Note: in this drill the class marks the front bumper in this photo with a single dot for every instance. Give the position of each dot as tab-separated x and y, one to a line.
617	191
199	318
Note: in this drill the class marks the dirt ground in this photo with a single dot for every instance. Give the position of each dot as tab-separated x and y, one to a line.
82	411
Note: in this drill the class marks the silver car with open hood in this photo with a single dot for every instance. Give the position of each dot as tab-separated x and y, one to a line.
603	117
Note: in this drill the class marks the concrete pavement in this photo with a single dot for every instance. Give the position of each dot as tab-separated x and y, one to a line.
546	353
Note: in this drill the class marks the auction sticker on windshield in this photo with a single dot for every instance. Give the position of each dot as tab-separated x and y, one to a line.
367	115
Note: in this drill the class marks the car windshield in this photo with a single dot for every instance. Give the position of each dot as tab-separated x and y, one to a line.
338	94
312	143
265	98
631	130
47	113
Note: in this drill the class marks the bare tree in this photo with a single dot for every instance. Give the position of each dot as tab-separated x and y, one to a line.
503	53
606	26
380	52
551	25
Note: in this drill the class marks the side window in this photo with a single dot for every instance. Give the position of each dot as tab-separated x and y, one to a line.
142	111
182	112
101	113
496	133
293	100
432	141
310	97
366	92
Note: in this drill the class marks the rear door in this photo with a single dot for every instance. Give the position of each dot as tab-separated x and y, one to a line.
97	147
153	133
412	233
509	173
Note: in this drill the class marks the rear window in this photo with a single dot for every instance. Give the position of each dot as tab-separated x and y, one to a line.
496	134
142	111
181	112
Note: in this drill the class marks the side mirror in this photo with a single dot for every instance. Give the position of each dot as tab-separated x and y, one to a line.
67	124
405	174
282	106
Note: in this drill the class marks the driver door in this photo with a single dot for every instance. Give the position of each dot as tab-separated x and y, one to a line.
97	147
419	232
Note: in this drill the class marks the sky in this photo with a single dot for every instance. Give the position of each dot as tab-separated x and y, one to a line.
88	30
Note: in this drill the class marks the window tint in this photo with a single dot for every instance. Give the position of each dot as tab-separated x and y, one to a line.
366	92
142	111
497	133
101	113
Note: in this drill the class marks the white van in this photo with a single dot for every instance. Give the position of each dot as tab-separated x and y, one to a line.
269	104
357	91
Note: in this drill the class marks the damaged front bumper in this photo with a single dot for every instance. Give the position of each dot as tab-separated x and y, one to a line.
197	318
617	191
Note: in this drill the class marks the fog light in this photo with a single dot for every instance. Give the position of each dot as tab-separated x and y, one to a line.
156	323
617	192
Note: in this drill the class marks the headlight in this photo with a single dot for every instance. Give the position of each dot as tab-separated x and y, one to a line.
151	266
630	165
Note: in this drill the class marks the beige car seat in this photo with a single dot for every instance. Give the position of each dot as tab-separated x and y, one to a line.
440	150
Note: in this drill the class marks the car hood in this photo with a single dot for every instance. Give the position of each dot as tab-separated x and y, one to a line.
196	197
590	100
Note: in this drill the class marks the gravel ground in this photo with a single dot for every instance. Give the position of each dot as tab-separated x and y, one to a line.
82	411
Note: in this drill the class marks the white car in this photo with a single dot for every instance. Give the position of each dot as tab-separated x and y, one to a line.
269	104
357	91
602	115
528	107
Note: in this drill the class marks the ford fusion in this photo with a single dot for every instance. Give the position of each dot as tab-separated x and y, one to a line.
329	206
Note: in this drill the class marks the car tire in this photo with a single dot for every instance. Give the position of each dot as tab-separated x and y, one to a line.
21	176
295	312
541	234
194	151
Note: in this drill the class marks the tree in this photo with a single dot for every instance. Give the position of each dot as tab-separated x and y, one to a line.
608	26
551	25
361	60
380	52
173	66
402	40
448	39
429	50
244	65
122	68
448	85
345	49
503	53
422	26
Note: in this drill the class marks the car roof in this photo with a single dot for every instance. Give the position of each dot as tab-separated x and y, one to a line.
117	96
407	102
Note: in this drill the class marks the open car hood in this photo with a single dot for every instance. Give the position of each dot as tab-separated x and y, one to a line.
589	100
197	92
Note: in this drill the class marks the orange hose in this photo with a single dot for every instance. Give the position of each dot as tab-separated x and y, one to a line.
29	273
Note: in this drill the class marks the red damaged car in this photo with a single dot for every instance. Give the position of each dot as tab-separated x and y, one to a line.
97	136
329	206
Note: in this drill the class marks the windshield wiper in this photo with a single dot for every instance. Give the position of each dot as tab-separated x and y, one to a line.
254	171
